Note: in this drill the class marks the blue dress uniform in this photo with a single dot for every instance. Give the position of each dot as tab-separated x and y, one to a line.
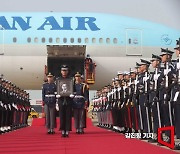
166	105
154	95
132	105
143	87
86	90
1	105
176	96
135	100
78	105
121	116
127	112
49	98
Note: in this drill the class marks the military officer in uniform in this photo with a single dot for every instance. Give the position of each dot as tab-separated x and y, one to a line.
154	95
165	85
49	99
79	102
65	106
133	74
143	87
1	106
176	95
85	90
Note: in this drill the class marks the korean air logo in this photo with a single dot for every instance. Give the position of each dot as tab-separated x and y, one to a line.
166	39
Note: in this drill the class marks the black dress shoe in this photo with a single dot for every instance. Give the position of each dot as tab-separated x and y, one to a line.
152	140
160	144
63	135
66	135
177	147
53	132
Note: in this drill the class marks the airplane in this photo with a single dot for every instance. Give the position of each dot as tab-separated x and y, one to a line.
33	42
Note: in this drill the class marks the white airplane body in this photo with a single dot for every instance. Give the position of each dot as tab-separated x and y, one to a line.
30	41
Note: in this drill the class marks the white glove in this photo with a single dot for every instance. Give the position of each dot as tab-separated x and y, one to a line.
119	89
129	84
124	87
1	104
71	95
5	106
166	71
9	106
57	107
145	79
58	96
136	82
122	105
156	76
178	66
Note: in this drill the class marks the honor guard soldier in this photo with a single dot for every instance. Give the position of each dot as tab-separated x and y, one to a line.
154	95
79	102
143	87
85	90
105	100
133	110
166	83
115	104
49	99
176	95
120	100
127	114
108	107
5	107
65	105
1	106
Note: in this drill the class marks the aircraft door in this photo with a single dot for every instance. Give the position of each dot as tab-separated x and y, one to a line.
134	42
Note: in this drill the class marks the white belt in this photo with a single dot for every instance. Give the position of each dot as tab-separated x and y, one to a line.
50	95
1	103
78	96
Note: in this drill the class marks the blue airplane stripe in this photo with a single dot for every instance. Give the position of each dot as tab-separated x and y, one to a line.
107	26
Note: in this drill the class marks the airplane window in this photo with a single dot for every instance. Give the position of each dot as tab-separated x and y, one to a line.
36	40
65	40
115	40
50	40
43	40
86	40
93	40
79	40
57	40
72	40
101	40
108	40
28	39
14	39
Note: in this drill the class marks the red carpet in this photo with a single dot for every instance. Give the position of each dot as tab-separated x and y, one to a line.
95	141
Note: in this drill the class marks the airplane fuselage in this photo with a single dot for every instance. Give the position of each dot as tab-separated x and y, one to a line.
113	42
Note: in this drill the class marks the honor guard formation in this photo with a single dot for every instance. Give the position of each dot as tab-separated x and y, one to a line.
14	107
72	97
140	101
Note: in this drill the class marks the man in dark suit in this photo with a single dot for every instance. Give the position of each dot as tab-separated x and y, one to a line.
65	105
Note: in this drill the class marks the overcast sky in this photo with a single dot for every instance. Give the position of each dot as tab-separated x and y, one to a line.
161	11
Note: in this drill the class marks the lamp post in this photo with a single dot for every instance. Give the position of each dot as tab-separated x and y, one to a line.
2	28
